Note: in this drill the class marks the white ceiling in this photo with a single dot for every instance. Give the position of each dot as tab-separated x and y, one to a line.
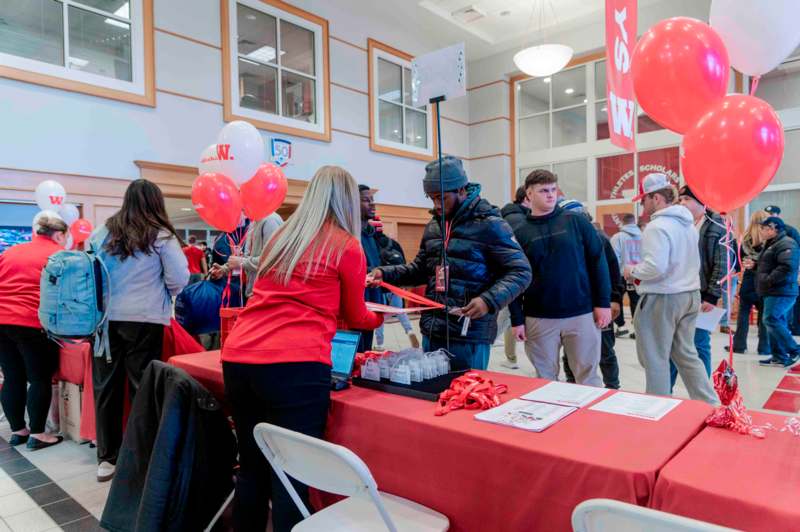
496	31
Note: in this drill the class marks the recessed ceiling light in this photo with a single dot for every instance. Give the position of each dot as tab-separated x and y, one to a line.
250	17
546	80
585	100
186	209
604	109
569	90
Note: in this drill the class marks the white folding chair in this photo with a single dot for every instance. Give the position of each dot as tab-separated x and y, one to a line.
606	515
338	470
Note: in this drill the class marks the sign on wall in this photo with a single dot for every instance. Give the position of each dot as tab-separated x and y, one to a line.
280	151
620	41
439	73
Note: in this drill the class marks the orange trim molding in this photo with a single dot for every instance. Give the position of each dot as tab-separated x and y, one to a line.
348	43
187	38
149	96
373	45
486	84
227	98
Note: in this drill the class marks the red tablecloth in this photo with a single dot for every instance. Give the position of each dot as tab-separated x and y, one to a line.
489	477
734	480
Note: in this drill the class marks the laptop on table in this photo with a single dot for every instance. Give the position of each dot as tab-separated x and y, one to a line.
343	354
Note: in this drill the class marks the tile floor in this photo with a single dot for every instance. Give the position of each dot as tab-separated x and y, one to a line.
61	493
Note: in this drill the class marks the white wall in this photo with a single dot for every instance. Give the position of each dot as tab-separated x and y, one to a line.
46	129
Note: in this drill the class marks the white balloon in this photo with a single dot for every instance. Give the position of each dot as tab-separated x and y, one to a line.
50	195
758	35
209	161
240	150
69	212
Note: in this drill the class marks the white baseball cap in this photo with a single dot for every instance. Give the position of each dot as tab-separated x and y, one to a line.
651	183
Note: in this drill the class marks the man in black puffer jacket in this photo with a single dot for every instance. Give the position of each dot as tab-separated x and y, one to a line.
776	282
487	267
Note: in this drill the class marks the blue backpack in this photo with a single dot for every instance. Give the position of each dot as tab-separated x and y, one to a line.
74	298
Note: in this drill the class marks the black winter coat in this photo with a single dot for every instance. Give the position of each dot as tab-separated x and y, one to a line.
570	274
485	261
175	466
390	250
713	262
614	273
777	267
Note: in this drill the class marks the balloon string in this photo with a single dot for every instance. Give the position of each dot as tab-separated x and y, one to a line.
727	242
754	85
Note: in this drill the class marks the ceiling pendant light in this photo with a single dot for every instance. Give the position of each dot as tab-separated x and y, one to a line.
543	59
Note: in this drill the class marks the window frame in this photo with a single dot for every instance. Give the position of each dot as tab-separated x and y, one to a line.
230	71
378	50
141	90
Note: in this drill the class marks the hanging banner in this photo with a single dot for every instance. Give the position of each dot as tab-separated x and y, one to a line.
620	41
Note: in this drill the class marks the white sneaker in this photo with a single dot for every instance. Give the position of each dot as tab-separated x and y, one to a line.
105	471
508	364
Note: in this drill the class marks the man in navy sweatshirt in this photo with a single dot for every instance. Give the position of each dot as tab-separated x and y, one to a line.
568	302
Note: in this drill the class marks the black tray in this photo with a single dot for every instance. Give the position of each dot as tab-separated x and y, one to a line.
428	390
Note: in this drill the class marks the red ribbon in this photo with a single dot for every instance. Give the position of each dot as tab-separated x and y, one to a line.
471	391
411	296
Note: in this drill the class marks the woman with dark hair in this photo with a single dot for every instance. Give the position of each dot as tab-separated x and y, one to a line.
147	268
27	356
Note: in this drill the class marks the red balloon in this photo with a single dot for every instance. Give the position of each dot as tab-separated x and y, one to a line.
733	152
217	201
80	230
263	193
680	70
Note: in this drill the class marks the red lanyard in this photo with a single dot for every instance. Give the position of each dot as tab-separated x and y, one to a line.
447	228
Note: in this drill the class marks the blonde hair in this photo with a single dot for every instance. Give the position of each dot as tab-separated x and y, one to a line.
752	229
332	199
48	225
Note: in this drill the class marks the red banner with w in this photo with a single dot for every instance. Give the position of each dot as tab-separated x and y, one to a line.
620	41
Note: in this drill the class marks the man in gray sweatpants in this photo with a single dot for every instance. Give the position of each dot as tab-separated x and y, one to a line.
667	281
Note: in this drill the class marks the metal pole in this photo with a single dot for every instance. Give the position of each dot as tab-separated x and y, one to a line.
435	102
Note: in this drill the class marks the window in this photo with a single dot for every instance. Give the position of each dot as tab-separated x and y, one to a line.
781	87
644	123
275	67
98	47
552	110
396	125
571	178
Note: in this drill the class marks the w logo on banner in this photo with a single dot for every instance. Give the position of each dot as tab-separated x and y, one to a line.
56	200
281	151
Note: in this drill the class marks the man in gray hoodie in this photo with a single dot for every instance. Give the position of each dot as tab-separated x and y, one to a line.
627	245
669	286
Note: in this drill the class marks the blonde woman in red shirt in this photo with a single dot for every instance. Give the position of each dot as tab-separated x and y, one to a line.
28	358
276	360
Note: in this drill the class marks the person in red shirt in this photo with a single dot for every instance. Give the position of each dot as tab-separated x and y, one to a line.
196	259
28	358
276	360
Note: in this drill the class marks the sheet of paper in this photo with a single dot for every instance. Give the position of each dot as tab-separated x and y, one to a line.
709	320
565	394
637	405
525	415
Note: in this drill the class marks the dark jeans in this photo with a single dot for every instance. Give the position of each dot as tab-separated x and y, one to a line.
748	300
133	346
777	311
794	325
27	357
609	367
702	343
295	396
475	356
365	342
